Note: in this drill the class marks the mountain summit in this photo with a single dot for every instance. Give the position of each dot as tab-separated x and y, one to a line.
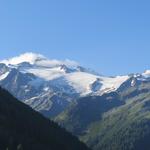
49	86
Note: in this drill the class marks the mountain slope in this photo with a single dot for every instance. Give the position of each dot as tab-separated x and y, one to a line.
87	110
127	128
23	128
123	125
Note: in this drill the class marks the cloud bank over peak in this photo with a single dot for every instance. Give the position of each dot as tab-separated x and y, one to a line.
38	59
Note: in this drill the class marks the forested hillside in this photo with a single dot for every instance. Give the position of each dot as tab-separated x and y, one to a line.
21	128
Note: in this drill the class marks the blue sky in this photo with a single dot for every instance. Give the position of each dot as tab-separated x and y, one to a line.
110	36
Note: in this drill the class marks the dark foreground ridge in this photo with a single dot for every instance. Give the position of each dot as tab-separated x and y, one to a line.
21	128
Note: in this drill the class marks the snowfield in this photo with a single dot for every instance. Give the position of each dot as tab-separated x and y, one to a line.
49	70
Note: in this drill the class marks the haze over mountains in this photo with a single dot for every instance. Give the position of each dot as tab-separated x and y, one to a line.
107	113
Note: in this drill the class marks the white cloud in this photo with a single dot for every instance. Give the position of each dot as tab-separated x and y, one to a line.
38	59
26	57
55	62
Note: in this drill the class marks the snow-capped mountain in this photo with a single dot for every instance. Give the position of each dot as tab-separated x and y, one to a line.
50	85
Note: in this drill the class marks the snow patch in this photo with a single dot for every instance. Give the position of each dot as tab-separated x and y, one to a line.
82	82
114	82
46	73
3	76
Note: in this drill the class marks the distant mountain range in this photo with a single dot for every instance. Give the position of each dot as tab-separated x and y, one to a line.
49	86
107	113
